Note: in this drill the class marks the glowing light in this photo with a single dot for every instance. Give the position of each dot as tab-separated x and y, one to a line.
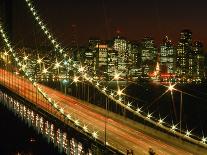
75	79
53	41
81	69
62	110
19	63
95	135
61	50
16	59
138	110
25	58
43	27
49	99
37	18
149	116
57	65
5	53
56	46
203	140
77	122
187	133
55	105
97	84
171	87
65	62
39	61
23	67
117	76
161	121
104	89
129	104
44	70
68	116
119	92
173	127
85	128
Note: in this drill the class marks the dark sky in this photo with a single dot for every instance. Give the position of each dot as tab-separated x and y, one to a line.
101	18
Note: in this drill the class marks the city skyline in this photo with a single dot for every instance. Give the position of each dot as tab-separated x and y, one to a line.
102	19
104	77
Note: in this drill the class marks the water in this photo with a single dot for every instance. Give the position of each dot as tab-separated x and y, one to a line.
18	139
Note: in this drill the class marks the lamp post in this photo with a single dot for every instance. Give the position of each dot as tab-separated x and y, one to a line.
65	82
181	108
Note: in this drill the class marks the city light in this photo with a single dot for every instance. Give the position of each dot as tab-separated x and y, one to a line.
161	121
117	76
138	110
119	92
85	128
25	58
77	122
95	135
171	87
129	104
69	116
45	70
104	89
173	127
203	140
81	69
57	65
62	110
76	67
188	133
149	116
112	94
39	61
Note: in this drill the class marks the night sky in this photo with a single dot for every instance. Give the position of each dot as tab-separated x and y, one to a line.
101	18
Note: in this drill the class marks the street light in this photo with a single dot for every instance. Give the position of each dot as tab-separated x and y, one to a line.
65	82
171	87
187	133
119	92
204	139
75	79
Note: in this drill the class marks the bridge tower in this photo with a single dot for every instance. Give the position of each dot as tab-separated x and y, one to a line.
6	15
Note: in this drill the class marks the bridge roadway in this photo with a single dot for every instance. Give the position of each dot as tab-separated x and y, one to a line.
121	133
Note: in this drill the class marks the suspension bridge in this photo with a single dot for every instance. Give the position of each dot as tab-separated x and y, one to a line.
31	88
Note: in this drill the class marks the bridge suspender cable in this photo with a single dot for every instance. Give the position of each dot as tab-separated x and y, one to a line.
103	89
54	104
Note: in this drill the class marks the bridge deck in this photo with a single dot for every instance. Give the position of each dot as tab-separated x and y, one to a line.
121	133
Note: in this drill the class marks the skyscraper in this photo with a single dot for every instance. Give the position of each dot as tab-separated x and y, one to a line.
198	61
148	55
121	46
167	56
184	50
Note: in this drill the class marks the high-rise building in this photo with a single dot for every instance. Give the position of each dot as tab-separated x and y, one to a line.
148	55
135	60
198	70
121	46
102	59
112	62
184	50
167	56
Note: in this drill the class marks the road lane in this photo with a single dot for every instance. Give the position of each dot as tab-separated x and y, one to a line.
118	135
